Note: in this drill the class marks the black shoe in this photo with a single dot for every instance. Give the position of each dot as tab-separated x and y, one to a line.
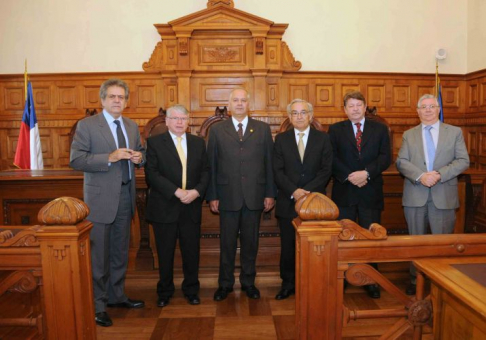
284	293
373	291
411	289
127	304
251	291
193	299
163	301
102	319
222	293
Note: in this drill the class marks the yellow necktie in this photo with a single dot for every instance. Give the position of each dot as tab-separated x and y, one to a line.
301	146
182	156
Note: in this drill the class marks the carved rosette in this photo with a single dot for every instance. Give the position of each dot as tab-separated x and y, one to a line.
316	206
359	275
352	231
212	3
155	59
221	54
420	313
63	211
289	61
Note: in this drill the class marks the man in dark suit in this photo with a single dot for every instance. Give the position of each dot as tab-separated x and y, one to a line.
431	157
241	186
302	160
107	148
177	174
361	152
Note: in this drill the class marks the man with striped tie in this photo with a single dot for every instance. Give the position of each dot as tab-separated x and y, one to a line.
361	152
431	157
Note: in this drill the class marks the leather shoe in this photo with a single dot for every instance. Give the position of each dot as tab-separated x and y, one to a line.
373	291
284	293
163	301
127	304
102	319
222	293
251	291
193	299
411	289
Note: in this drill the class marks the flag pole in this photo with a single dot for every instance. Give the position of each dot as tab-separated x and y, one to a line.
25	79
436	77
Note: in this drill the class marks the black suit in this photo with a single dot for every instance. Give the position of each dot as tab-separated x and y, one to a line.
374	157
241	177
169	216
291	174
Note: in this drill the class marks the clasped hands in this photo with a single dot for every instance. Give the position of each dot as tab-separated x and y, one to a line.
268	204
186	196
358	178
429	179
125	153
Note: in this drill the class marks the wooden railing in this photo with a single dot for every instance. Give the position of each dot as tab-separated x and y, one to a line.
329	251
52	263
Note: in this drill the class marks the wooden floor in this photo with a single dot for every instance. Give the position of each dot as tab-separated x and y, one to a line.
237	317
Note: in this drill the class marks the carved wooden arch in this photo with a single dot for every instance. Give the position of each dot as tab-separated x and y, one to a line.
220	114
155	126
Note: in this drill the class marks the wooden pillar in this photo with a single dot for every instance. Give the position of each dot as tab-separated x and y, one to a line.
66	270
316	274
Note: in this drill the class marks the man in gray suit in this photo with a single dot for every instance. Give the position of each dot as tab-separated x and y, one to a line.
431	157
107	148
241	186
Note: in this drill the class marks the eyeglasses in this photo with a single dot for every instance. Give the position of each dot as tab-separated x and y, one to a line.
296	113
113	96
182	119
425	107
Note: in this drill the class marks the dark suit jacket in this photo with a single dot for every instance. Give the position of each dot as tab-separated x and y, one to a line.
240	171
92	144
290	173
375	157
163	172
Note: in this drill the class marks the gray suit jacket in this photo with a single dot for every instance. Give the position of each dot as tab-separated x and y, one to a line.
92	144
241	172
451	159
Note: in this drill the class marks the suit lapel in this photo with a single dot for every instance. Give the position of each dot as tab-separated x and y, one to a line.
368	130
311	143
250	129
106	132
291	143
417	133
229	128
170	146
443	138
190	150
349	133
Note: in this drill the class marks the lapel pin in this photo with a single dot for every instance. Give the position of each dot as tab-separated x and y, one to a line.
251	130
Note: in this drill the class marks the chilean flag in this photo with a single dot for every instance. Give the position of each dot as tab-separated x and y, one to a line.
29	151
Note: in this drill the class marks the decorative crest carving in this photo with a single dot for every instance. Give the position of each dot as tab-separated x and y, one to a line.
352	231
24	238
183	46
259	45
220	54
18	281
316	206
212	3
63	211
289	61
155	59
5	235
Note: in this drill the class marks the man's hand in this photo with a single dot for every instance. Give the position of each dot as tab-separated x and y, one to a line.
180	193
119	154
358	178
299	193
268	203
136	157
429	179
190	196
214	206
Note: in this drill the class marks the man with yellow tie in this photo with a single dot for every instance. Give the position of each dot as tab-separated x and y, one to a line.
177	174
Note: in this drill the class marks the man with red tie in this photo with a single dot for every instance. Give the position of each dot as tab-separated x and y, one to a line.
361	152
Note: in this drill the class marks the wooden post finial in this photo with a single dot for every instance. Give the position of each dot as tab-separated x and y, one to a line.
316	206
63	211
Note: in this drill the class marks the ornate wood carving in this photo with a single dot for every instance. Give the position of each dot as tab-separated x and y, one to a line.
18	281
5	235
376	95
316	206
420	313
221	54
259	43
212	3
289	61
63	211
155	61
183	46
352	231
59	252
319	249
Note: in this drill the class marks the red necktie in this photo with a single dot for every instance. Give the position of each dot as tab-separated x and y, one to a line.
359	133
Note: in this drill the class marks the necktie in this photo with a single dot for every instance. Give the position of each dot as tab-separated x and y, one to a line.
122	143
359	133
182	156
301	146
240	131
429	142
